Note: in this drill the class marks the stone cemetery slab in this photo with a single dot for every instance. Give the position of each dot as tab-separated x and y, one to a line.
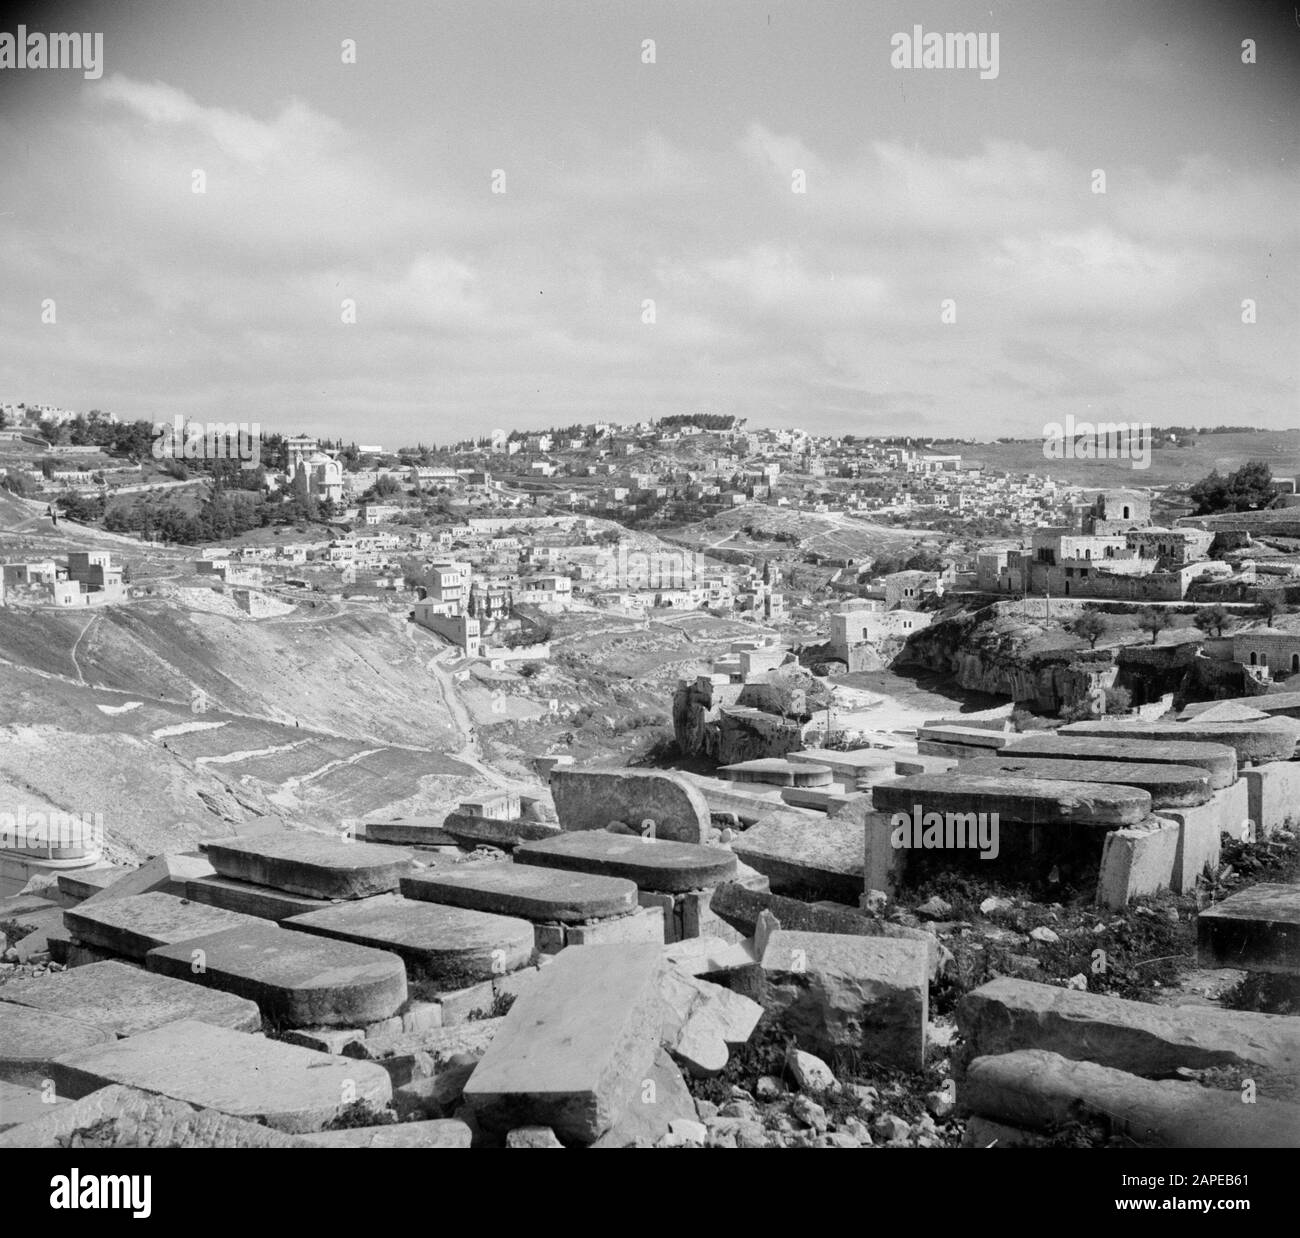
31	1039
311	864
296	979
1170	786
121	1117
473	831
1040	1090
837	993
291	1089
1255	930
574	1049
1218	760
1272	704
261	901
1032	801
20	1104
410	832
126	1000
778	772
165	873
130	927
652	864
525	890
590	799
1270	739
450	944
1144	1039
806	856
81	883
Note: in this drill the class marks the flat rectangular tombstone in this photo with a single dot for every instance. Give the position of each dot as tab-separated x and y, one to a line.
1257	929
81	883
654	864
1032	801
166	874
470	830
132	926
1218	760
126	1000
31	1040
311	864
538	894
296	979
261	901
250	1077
410	832
807	857
1170	786
575	1046
1269	739
450	944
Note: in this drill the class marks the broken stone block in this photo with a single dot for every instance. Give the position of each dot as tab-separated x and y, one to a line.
860	995
1257	929
130	927
452	945
124	1117
806	857
81	883
538	894
245	1076
576	1046
1137	861
532	1137
588	799
438	1133
296	979
1218	760
473	831
653	864
1144	1039
741	908
165	874
32	1039
657	1100
127	1000
1038	1090
1170	786
250	900
311	864
703	1022
809	1072
1031	801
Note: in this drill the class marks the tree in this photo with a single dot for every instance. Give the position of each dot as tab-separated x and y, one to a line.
1248	489
1154	620
1088	625
1213	619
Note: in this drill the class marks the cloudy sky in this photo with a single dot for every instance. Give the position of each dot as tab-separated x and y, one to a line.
668	182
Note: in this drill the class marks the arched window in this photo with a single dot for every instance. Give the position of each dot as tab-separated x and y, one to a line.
1254	658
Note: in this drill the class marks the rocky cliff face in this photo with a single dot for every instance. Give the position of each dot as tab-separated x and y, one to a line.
978	657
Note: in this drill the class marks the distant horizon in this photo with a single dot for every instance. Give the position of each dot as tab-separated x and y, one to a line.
437	221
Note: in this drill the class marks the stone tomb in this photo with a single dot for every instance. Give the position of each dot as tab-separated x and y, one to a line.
1257	929
1218	760
296	979
565	908
1170	786
250	1077
130	927
679	877
311	864
451	945
126	1000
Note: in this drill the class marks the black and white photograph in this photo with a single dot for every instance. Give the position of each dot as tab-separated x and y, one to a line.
650	574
